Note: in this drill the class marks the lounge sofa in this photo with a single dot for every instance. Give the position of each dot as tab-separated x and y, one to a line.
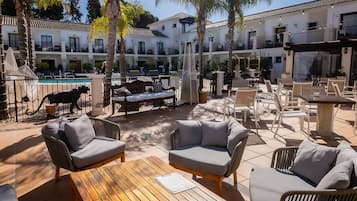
212	150
280	182
130	95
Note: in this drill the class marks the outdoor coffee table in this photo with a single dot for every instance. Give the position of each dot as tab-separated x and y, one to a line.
325	112
133	180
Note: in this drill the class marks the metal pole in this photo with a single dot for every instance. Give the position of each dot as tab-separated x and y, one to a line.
16	112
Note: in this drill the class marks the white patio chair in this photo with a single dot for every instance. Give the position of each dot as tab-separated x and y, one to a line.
244	102
330	88
289	112
298	87
338	92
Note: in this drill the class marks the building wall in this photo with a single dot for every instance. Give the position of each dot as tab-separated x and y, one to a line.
295	19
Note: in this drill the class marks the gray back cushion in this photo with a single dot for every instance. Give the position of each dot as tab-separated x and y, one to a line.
313	161
56	129
79	132
338	178
346	152
157	87
190	132
354	173
214	133
236	132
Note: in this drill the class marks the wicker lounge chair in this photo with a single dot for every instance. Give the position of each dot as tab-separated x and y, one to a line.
103	148
278	183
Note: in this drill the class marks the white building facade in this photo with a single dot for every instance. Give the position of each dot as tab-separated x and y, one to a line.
265	34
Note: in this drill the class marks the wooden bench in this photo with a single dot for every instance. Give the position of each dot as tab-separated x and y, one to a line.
140	92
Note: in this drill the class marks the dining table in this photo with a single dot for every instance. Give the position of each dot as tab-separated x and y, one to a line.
325	111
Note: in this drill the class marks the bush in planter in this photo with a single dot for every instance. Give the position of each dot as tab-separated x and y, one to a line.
72	66
87	67
42	66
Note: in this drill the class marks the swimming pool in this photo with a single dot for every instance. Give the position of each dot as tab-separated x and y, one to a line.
65	81
69	81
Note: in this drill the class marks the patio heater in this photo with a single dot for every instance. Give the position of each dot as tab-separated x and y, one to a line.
189	87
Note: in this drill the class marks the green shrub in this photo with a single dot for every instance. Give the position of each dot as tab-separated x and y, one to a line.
87	67
42	66
72	66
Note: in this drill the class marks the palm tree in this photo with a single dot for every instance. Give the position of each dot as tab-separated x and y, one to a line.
234	7
20	6
3	104
112	12
23	14
99	27
203	9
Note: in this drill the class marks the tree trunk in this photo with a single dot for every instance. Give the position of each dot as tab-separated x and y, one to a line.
112	12
4	114
231	23
201	29
21	29
28	14
122	61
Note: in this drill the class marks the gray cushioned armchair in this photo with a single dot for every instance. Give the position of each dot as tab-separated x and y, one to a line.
103	148
209	161
279	183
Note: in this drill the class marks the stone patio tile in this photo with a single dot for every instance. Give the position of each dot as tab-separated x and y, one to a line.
244	169
261	161
248	154
260	149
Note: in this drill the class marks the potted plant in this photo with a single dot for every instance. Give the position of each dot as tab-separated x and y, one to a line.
203	96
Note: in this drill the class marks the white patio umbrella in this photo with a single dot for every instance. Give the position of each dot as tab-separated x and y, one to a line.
27	79
11	68
189	87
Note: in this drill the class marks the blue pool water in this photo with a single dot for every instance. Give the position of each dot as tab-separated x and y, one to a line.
65	81
70	81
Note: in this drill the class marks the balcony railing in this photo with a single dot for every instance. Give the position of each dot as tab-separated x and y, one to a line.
316	35
55	48
348	32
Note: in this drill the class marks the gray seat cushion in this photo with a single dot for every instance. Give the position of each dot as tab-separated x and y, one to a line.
212	160
100	148
79	132
7	193
270	184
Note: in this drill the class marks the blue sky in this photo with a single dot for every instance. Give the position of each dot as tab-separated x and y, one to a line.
168	8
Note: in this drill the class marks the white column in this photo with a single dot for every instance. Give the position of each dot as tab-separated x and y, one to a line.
286	38
97	95
170	63
289	63
346	58
33	52
220	79
63	46
255	42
